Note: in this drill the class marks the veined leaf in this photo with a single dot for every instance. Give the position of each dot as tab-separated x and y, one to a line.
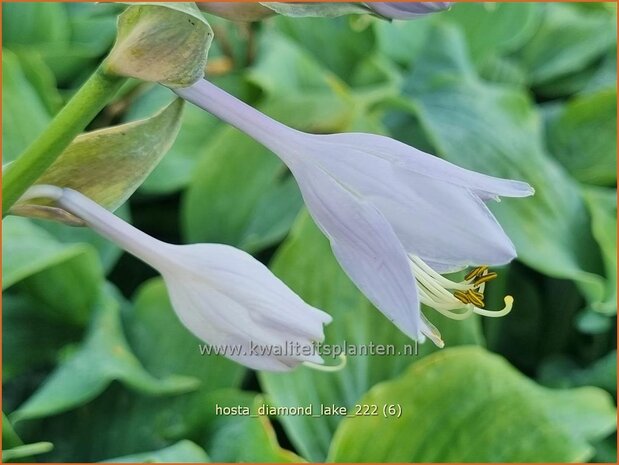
103	358
181	452
461	405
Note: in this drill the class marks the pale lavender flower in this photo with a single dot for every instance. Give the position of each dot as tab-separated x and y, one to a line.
406	10
396	217
221	294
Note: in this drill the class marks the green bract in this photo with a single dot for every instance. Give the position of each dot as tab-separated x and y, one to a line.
108	165
161	42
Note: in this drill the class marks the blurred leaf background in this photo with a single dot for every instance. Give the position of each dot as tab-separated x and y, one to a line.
95	362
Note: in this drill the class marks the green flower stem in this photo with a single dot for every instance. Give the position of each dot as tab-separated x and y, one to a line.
66	125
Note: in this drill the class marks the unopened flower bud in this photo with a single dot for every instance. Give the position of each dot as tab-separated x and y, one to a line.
165	43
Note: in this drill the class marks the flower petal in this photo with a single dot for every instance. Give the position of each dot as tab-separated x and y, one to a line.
411	159
435	219
364	244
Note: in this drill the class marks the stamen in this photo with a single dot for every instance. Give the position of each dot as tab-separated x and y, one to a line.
446	283
484	279
475	299
432	286
475	293
454	300
445	307
462	297
475	272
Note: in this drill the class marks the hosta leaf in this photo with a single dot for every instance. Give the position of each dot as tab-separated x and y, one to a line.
30	24
25	347
562	372
583	137
567	41
602	205
222	433
316	38
24	113
273	216
41	78
47	268
494	29
236	181
181	452
461	405
103	358
28	249
402	41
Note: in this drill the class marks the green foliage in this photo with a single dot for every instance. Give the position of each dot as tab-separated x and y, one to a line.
182	451
566	42
61	36
223	434
582	137
524	91
483	402
103	357
19	99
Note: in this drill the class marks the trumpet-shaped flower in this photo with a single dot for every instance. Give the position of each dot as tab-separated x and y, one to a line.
396	217
407	10
221	294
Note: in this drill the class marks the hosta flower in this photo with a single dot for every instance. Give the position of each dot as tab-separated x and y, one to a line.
396	217
221	294
406	10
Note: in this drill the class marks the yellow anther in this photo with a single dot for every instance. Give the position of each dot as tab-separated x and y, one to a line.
462	297
475	298
484	279
475	272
